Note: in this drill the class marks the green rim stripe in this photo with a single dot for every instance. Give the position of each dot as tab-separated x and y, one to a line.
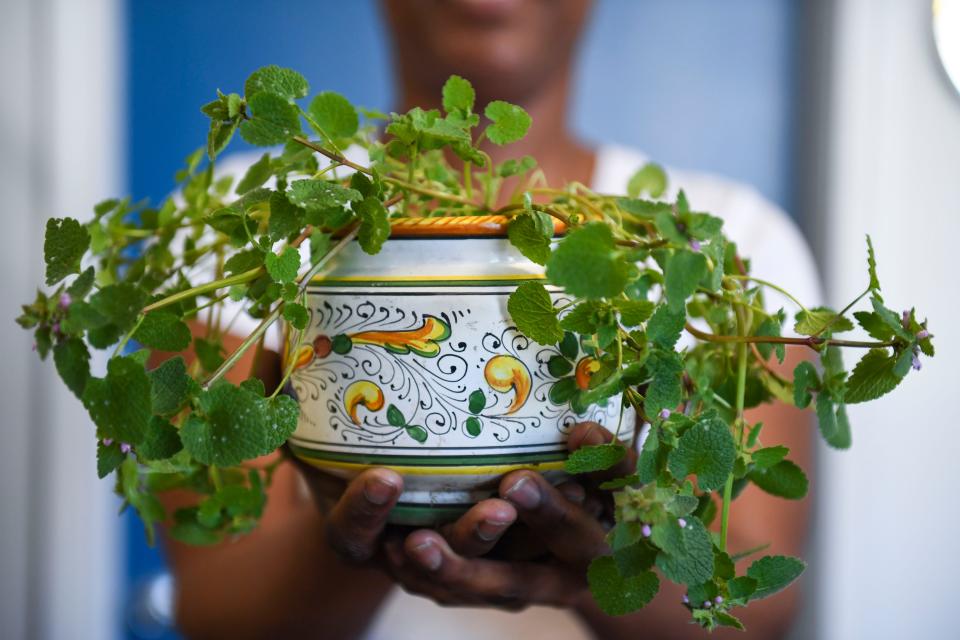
430	461
409	514
318	282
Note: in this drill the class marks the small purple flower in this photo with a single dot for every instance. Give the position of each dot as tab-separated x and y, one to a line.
65	300
906	319
646	530
916	362
56	327
682	523
107	442
695	245
664	414
34	346
686	600
718	599
923	334
124	447
707	604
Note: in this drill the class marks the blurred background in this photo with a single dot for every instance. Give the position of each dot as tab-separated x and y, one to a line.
841	112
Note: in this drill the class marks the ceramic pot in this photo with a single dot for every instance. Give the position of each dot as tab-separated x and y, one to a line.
410	361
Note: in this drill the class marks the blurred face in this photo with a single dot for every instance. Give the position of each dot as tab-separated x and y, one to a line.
506	48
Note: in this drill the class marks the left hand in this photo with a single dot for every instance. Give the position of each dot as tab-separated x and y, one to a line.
562	522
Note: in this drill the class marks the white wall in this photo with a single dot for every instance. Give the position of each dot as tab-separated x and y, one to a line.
888	524
59	545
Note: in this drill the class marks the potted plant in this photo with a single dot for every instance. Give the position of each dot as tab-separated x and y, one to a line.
461	348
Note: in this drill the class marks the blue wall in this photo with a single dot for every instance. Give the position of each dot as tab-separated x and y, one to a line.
698	84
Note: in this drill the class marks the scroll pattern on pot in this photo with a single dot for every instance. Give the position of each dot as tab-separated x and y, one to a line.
389	374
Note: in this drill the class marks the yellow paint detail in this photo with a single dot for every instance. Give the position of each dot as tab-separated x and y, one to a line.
303	357
492	469
422	340
504	373
585	370
362	393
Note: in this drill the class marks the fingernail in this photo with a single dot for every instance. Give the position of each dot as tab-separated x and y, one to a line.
379	491
525	493
593	436
428	555
489	530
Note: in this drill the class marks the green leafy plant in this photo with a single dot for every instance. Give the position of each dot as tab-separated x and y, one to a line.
636	271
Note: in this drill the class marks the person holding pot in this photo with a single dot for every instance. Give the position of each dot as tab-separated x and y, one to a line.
323	562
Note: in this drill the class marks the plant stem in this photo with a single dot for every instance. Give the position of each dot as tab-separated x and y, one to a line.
126	338
810	341
738	427
275	313
240	278
771	286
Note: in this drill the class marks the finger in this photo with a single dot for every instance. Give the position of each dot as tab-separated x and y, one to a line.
568	531
355	523
591	434
572	491
477	531
505	584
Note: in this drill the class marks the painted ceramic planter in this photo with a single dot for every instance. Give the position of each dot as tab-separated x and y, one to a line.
411	362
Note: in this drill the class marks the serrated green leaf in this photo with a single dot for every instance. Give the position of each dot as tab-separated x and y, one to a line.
334	115
706	450
83	284
170	386
664	391
73	364
458	95
784	480
120	304
532	310
872	377
650	179
583	318
280	81
64	244
683	273
773	574
258	173
633	560
615	594
109	457
665	326
872	266
842	438
296	314
812	322
873	324
594	458
374	225
531	236
161	441
164	331
119	404
210	353
686	555
592	244
742	587
274	120
633	312
805	378
283	267
769	456
510	122
319	194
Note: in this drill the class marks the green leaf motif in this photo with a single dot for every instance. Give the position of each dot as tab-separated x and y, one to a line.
458	95
784	480
872	377
650	179
73	364
163	330
617	595
473	426
280	81
274	120
477	401
510	122
417	432
64	244
334	115
706	450
594	458
569	346
531	235
592	244
283	267
558	366
532	310
773	574
120	403
395	416
683	273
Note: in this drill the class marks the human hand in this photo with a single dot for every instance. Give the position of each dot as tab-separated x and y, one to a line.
563	521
